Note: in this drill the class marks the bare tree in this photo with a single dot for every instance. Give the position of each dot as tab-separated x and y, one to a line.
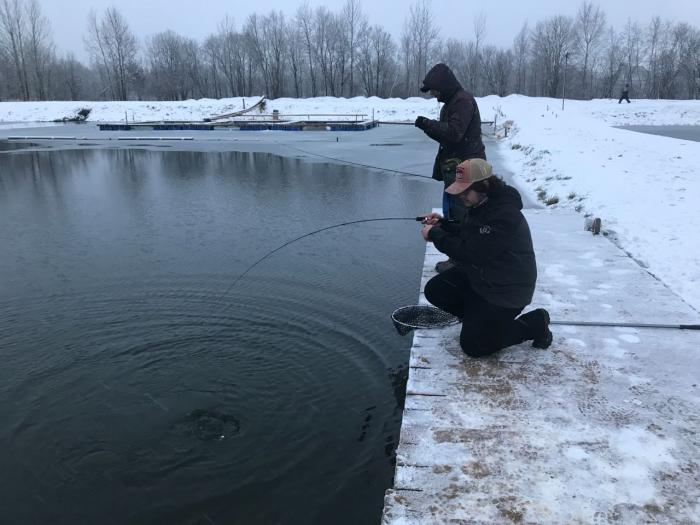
253	33
521	49
688	57
654	35
678	49
632	36
497	68
614	63
335	52
12	38
330	53
420	35
194	68
275	34
295	47
40	48
305	20
232	54
590	26
96	47
71	80
267	38
376	64
355	24
113	46
475	61
211	53
552	40
457	55
166	54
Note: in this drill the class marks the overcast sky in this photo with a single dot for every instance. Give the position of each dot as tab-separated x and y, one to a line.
197	19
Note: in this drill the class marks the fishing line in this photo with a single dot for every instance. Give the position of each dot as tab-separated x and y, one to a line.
355	163
271	252
420	219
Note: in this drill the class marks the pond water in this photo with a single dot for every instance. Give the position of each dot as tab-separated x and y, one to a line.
137	386
676	132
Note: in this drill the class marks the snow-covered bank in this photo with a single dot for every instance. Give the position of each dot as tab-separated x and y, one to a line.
645	188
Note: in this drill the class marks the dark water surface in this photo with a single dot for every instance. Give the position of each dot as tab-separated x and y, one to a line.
131	391
676	132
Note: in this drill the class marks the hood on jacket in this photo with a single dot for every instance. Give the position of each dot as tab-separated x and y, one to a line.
442	79
506	195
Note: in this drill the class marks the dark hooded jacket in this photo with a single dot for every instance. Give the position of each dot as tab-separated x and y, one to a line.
493	248
459	129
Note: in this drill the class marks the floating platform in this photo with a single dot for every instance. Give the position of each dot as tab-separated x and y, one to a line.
305	125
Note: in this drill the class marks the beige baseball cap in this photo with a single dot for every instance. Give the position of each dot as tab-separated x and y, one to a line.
469	172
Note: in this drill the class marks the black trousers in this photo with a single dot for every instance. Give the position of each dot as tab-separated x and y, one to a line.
624	97
486	328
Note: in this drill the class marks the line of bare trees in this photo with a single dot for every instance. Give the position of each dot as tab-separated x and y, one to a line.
318	52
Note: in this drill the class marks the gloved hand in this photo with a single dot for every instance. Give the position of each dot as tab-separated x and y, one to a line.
420	122
425	231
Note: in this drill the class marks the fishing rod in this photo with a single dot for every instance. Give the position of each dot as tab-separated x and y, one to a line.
422	219
628	325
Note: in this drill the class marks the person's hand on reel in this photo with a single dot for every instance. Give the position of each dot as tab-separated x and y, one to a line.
431	218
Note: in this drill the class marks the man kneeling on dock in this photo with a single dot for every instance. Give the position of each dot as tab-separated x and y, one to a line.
494	278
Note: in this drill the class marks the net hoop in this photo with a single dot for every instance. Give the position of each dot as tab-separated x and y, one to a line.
420	317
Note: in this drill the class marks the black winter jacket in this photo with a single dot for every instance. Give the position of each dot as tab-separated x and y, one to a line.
493	248
459	129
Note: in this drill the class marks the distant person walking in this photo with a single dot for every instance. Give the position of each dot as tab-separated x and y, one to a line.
458	132
495	271
625	95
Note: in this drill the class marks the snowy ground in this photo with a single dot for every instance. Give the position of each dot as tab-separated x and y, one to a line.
644	187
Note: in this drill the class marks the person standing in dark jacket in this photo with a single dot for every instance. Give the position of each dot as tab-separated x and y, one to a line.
625	95
495	270
458	132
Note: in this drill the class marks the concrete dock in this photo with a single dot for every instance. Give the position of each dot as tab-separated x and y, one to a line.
602	427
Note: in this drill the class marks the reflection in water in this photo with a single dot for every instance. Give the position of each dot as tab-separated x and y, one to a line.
133	391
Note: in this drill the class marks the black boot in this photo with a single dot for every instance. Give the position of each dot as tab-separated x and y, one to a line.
537	322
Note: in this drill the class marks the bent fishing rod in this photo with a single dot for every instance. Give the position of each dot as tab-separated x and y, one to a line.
422	219
326	228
